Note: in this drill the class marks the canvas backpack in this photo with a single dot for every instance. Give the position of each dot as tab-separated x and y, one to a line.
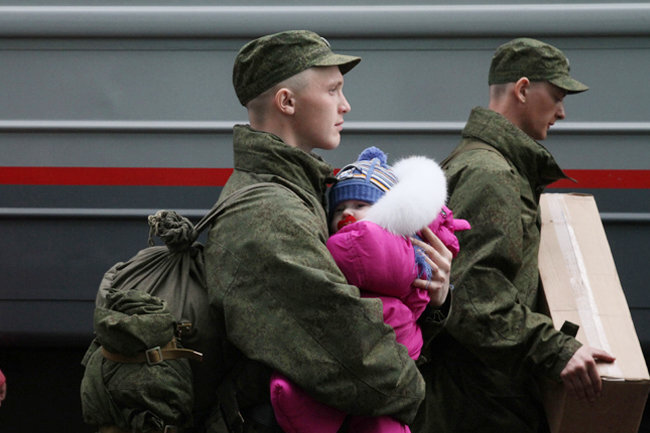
174	275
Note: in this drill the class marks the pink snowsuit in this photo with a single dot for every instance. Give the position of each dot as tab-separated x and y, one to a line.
382	265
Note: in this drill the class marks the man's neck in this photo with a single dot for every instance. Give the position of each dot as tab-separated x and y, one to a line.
280	128
506	109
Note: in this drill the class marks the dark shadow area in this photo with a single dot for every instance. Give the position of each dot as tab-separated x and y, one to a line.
42	390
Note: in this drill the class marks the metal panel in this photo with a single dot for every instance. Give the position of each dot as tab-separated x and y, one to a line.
397	21
147	84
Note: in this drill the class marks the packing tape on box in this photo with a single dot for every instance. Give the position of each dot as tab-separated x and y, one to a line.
582	291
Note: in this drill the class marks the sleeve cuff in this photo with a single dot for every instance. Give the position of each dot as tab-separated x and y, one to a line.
433	319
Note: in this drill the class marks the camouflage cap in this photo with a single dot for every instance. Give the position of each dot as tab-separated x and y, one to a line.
266	61
536	60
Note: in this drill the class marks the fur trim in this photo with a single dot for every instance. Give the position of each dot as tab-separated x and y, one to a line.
415	200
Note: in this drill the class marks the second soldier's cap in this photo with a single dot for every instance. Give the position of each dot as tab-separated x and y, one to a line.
536	60
266	61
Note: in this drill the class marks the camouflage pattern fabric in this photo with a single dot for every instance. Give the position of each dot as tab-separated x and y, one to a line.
271	59
283	302
535	60
175	273
135	397
483	368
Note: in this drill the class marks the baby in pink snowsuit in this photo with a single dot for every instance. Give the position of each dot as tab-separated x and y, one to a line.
3	387
374	211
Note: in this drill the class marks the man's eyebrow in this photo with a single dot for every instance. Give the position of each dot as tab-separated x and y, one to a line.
335	79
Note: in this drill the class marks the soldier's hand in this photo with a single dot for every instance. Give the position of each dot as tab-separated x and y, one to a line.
3	392
580	375
439	258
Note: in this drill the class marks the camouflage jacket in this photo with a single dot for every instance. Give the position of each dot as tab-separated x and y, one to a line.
484	365
283	302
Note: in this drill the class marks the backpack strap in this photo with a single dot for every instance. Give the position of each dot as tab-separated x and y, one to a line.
471	146
155	355
220	206
226	392
116	429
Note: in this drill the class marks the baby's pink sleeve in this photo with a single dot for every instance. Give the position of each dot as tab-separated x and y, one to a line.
445	226
297	412
374	259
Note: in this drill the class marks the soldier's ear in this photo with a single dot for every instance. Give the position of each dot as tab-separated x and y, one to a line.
520	89
285	101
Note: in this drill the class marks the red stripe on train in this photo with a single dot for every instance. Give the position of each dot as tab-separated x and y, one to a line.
124	176
597	179
170	176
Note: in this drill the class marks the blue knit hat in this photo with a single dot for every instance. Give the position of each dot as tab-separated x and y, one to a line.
367	179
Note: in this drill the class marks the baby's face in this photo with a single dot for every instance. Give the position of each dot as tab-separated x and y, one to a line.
347	212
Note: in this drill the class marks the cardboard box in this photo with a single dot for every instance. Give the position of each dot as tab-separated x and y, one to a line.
581	286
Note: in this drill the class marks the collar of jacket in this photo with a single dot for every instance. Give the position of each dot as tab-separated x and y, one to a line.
266	154
532	159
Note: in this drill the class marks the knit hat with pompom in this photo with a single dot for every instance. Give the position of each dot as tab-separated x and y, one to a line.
367	179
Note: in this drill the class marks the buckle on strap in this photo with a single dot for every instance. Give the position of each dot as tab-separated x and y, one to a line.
154	356
183	329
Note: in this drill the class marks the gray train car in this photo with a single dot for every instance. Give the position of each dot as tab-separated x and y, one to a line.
112	111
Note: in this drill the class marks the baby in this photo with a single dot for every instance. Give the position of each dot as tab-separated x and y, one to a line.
375	211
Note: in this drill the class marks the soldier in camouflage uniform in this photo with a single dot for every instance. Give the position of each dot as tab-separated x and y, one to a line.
486	361
281	301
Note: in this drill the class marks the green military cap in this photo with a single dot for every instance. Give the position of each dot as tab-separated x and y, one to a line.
266	61
536	60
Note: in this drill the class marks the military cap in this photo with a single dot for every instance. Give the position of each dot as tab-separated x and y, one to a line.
266	61
536	60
